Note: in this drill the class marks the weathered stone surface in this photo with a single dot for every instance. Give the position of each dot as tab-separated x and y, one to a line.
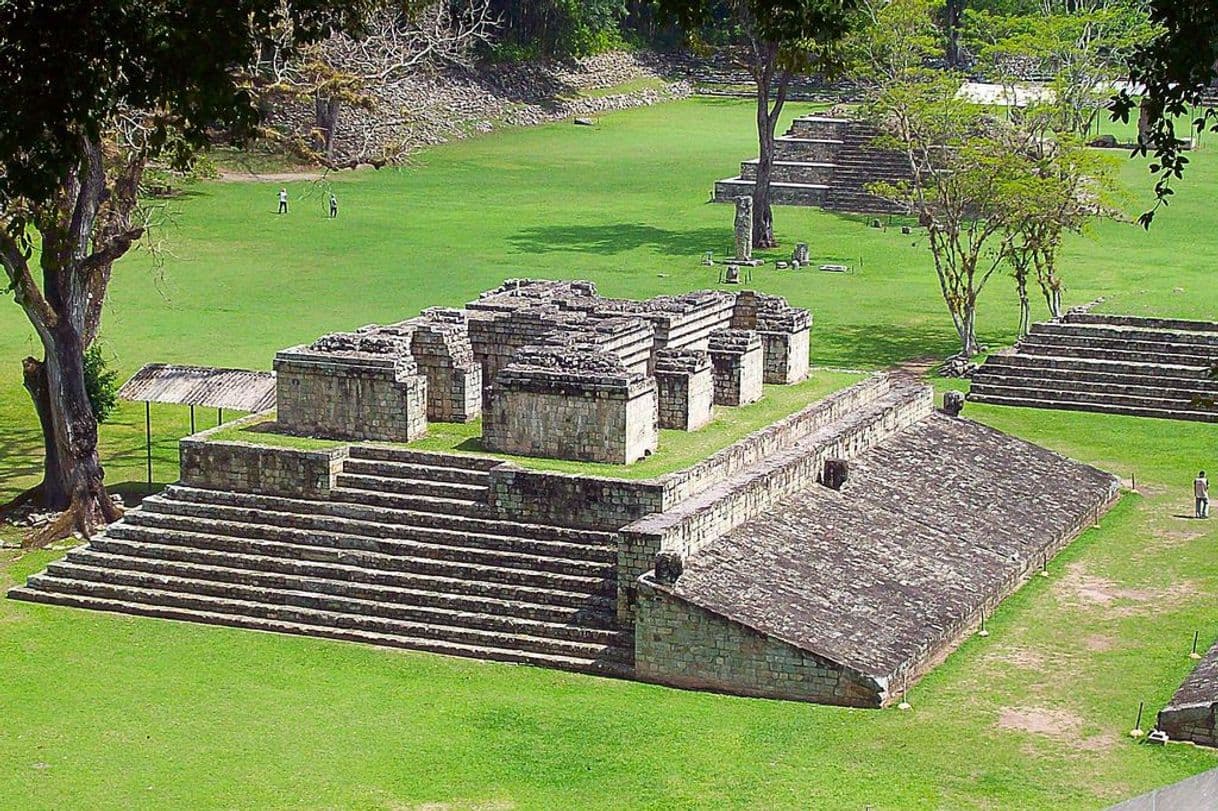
934	525
739	366
685	387
744	229
1191	714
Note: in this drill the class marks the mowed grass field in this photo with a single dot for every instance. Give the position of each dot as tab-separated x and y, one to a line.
102	711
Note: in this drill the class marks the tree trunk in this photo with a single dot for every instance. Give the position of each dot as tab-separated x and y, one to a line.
967	331
763	215
325	122
72	480
955	8
1025	315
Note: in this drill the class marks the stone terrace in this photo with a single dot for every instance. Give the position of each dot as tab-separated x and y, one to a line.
1145	367
1191	715
852	595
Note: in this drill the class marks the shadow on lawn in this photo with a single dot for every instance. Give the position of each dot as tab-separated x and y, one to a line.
20	457
619	238
879	346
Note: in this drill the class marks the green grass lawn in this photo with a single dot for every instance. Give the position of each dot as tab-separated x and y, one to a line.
108	711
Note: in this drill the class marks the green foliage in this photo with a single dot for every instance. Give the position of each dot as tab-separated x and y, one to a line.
893	41
101	383
1175	69
557	28
68	67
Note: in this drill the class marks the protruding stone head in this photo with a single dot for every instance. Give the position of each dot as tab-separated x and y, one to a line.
953	403
669	567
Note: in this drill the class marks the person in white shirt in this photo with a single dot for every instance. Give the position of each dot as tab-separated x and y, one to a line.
283	201
1201	491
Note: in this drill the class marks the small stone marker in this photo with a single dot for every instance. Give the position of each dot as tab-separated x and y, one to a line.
782	265
906	230
800	255
584	122
669	567
876	224
709	259
836	473
744	229
953	403
733	275
834	268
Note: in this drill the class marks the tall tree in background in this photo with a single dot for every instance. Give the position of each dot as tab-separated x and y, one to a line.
1173	72
94	91
780	38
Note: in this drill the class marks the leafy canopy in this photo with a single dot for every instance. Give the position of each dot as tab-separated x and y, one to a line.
69	66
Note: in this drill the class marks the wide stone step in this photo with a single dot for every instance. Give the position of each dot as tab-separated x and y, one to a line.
390	453
791	172
338	596
608	660
1060	380
1142	322
1055	347
1097	366
406	470
415	503
424	558
1065	404
1121	332
782	194
422	589
414	487
1050	391
1174	350
294	527
381	515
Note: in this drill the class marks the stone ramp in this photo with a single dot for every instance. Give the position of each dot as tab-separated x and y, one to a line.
1141	367
1192	714
826	162
404	553
848	597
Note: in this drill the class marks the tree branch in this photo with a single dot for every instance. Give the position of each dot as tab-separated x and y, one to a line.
21	282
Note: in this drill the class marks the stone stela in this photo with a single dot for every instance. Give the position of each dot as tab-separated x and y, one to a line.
553	369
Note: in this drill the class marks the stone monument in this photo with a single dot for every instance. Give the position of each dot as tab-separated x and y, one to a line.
744	233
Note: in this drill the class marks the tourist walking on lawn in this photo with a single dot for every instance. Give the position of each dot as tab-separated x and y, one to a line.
283	201
333	206
1201	490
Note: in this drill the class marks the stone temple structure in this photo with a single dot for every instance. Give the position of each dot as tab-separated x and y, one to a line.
553	369
833	556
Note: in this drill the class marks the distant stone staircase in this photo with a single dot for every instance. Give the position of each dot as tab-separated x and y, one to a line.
405	553
1109	364
826	162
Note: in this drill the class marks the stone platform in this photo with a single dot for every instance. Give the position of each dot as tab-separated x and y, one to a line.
1192	714
1110	364
825	162
742	573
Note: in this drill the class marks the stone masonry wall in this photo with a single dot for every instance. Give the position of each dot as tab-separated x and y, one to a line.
786	356
587	502
686	389
688	526
347	399
1191	715
289	472
736	356
680	644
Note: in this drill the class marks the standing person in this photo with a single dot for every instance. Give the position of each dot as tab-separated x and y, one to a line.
1201	491
333	206
283	201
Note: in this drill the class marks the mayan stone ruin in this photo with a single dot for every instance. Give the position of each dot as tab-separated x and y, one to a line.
833	556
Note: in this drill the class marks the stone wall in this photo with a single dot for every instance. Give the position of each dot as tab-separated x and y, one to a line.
572	404
349	387
289	472
587	502
738	363
680	644
440	346
686	526
686	389
1191	714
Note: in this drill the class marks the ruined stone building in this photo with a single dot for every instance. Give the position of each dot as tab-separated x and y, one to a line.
833	556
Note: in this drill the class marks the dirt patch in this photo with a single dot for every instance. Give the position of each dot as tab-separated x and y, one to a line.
1023	658
270	177
1098	643
918	367
1060	724
1080	589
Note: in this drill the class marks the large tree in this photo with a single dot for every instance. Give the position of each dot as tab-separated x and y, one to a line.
93	91
780	39
1173	72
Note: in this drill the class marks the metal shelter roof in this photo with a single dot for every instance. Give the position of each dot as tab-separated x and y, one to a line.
236	389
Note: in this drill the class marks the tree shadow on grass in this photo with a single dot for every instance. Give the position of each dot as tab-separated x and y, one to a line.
880	346
608	240
20	461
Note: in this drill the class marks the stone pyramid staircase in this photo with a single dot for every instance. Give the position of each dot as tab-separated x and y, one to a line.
824	162
1109	364
404	553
